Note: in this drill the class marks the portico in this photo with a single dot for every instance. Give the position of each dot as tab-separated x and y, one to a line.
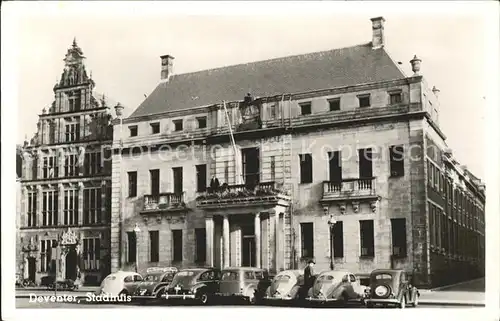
246	231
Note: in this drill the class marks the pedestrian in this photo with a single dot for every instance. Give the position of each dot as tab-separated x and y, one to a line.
309	274
214	184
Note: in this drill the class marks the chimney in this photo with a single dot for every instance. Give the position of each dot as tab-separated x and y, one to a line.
167	67
377	32
415	65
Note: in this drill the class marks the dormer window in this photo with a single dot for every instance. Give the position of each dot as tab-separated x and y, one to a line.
178	125
364	100
155	128
305	108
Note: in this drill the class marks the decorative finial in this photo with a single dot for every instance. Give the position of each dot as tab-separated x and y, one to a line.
74	42
91	74
415	65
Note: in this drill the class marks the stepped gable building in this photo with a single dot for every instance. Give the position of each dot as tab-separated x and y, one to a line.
337	156
66	183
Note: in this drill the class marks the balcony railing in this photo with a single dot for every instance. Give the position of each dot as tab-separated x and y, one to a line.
244	194
349	189
164	202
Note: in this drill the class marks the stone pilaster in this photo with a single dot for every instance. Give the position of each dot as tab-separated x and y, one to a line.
80	203
39	209
116	212
60	202
257	240
209	227
225	231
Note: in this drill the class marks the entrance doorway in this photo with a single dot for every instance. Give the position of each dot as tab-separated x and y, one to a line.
71	264
251	166
247	246
31	269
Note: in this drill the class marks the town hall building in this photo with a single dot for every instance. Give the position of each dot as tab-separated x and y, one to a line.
335	156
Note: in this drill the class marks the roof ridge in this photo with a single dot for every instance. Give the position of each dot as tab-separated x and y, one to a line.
271	59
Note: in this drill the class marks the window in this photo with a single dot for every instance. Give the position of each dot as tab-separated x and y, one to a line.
201	178
201	241
50	205
72	132
395	98
226	172
50	167
178	125
92	206
367	238
133	131
334	104
307	238
132	247
132	184
335	166
398	226
92	163
46	254
70	207
31	212
155	128
154	176
202	122
272	111
177	172
305	109
177	245
154	246
397	160
71	165
74	100
338	239
365	163
273	168
364	101
91	254
306	174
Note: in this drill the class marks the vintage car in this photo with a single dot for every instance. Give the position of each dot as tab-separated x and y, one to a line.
200	284
336	287
391	287
246	283
154	283
119	283
287	286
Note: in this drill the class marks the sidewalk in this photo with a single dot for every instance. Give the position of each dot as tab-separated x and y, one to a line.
469	293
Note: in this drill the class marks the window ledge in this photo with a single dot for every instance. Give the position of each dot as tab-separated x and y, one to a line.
367	257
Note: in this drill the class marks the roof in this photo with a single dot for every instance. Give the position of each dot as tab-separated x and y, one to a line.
388	271
124	273
240	268
294	74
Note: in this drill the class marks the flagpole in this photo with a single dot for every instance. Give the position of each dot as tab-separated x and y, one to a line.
232	141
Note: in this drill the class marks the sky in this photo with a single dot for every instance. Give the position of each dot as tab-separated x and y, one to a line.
123	46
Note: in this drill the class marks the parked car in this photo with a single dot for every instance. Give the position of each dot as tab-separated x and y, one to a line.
391	287
200	284
246	283
154	283
287	286
336	287
119	283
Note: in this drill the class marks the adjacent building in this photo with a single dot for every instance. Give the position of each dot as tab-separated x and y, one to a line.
65	183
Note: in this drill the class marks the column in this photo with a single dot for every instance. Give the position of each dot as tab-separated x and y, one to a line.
209	228
80	203
257	240
60	204
104	216
60	162
225	233
39	209
277	241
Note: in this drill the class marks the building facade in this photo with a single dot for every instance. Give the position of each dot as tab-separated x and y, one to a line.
331	161
65	185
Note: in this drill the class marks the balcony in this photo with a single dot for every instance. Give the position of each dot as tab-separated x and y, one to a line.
164	202
350	189
263	194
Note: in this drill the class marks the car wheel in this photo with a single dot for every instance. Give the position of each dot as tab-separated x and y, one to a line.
159	293
123	293
204	298
415	302
402	303
251	297
345	299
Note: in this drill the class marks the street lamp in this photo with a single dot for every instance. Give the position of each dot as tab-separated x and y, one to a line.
137	230
331	224
119	114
